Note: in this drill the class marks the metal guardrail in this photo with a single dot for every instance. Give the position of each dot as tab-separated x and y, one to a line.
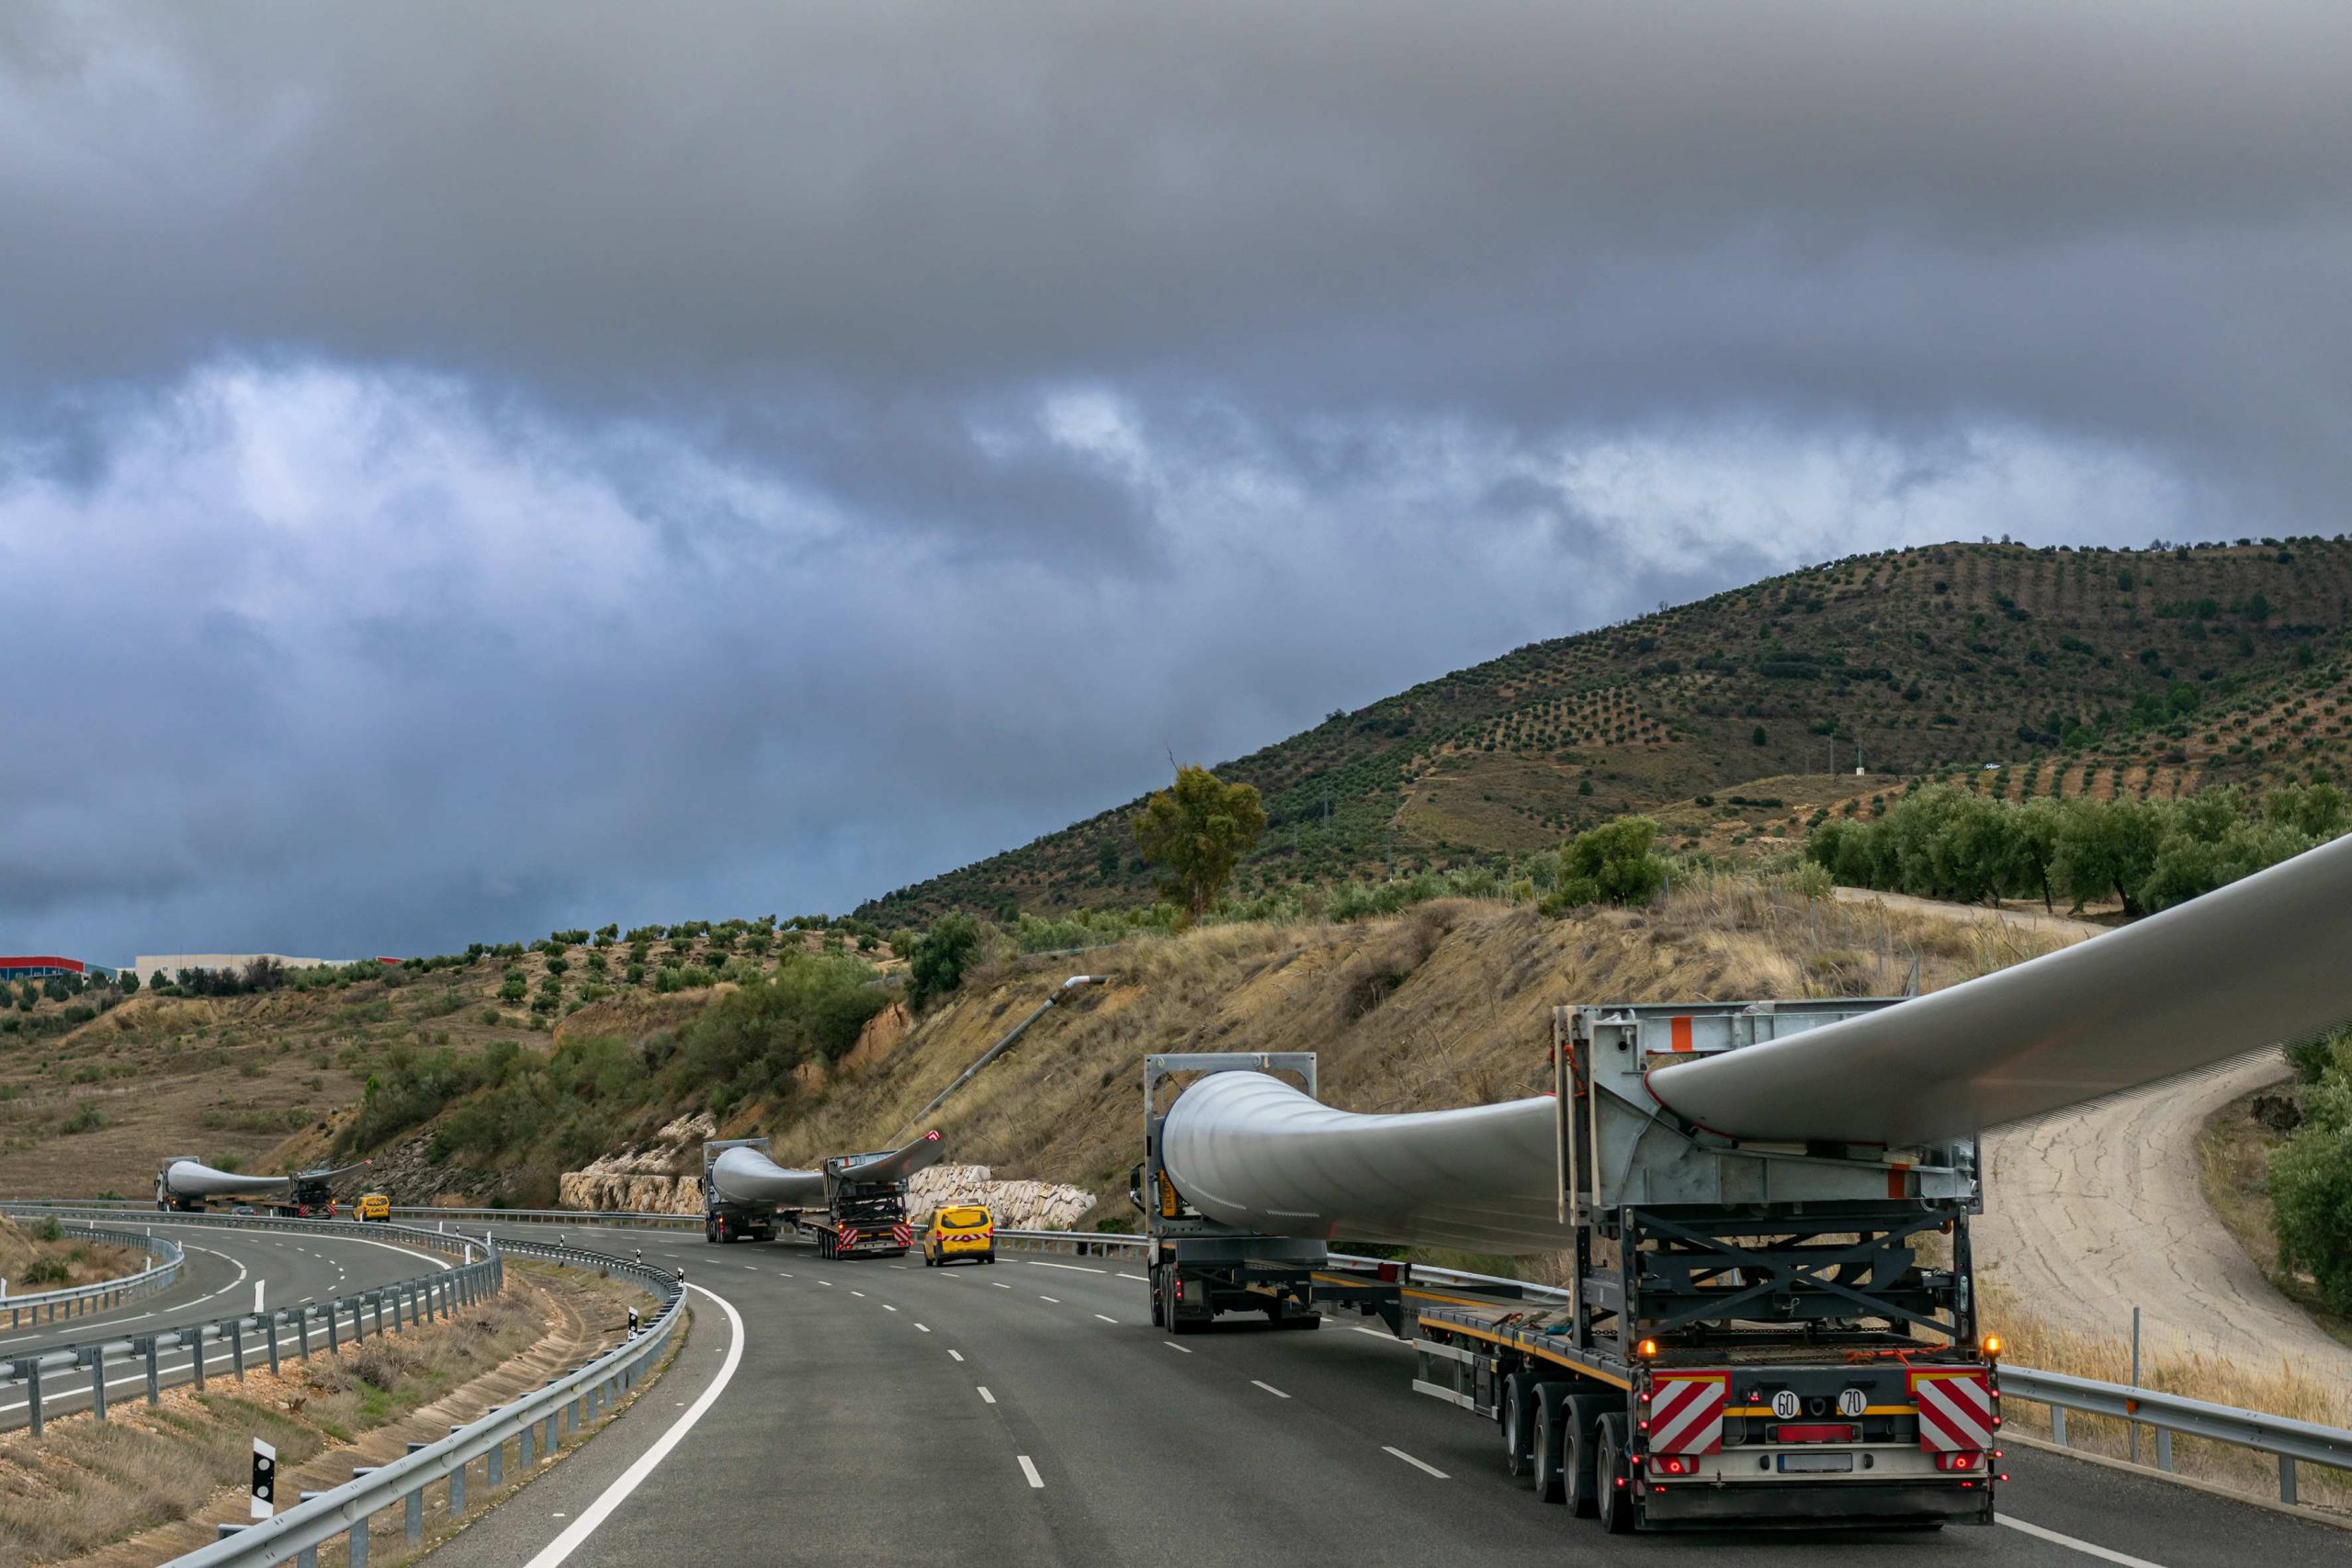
574	1218
310	1325
534	1422
2293	1442
77	1301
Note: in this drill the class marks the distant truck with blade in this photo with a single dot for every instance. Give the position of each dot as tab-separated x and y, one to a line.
1752	1334
187	1185
853	1206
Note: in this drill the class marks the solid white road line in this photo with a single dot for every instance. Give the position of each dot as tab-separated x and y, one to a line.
1029	1470
1137	1278
613	1496
1270	1388
988	1397
2069	1541
1416	1464
1071	1267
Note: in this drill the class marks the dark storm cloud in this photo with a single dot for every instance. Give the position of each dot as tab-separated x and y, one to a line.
550	461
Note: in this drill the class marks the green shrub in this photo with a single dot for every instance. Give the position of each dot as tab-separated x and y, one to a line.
940	954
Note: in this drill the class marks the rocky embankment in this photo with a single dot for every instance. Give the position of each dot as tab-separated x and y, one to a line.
646	1182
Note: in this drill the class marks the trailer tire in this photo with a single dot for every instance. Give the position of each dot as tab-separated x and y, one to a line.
1159	1311
1580	1474
1547	1435
1611	1480
1517	1418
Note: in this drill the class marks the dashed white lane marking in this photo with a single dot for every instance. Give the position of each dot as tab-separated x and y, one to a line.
2103	1553
1180	1349
956	1354
786	1276
827	1283
988	1397
751	1268
900	1266
1052	1299
1106	1319
926	1330
613	1496
1000	1285
1278	1394
1137	1278
1071	1267
887	1307
858	1293
1416	1464
1030	1469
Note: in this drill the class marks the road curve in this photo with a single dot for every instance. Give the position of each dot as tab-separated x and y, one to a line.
856	1431
223	1265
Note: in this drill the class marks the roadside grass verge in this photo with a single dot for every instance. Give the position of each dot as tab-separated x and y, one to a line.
142	1485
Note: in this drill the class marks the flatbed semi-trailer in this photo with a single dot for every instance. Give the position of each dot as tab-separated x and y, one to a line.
1751	1334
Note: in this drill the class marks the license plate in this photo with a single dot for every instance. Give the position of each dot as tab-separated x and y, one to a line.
1817	1463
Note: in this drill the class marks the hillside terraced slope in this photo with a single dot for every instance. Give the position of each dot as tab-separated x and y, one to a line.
2098	670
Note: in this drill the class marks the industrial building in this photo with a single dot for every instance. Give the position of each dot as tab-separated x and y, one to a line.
41	967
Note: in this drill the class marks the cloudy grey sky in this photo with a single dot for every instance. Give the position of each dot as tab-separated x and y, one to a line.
463	473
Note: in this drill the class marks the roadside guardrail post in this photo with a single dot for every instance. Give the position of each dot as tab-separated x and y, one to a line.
235	1328
428	1300
493	1464
2287	1478
356	1550
2164	1447
551	1437
523	1454
413	1507
358	1329
2058	1425
195	1337
302	1331
146	1349
29	1373
95	1358
270	1325
333	1347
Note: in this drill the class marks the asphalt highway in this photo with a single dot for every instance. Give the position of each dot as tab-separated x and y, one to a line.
1028	1412
223	1266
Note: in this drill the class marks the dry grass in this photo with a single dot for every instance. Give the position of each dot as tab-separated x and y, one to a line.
2283	1390
88	1487
85	1262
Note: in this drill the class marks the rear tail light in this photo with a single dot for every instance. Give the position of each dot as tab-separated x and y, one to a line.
1967	1460
1674	1464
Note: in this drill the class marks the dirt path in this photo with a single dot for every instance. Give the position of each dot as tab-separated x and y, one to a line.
2092	1211
2096	1210
1935	909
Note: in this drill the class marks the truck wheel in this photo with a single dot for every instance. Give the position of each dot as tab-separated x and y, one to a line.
1518	1422
1158	1311
1579	1485
1611	1480
1549	1427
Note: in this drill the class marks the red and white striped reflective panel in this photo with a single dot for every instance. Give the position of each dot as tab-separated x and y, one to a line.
1955	1410
903	1235
1687	1412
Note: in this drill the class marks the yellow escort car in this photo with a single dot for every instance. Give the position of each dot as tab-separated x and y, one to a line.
375	1206
963	1231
